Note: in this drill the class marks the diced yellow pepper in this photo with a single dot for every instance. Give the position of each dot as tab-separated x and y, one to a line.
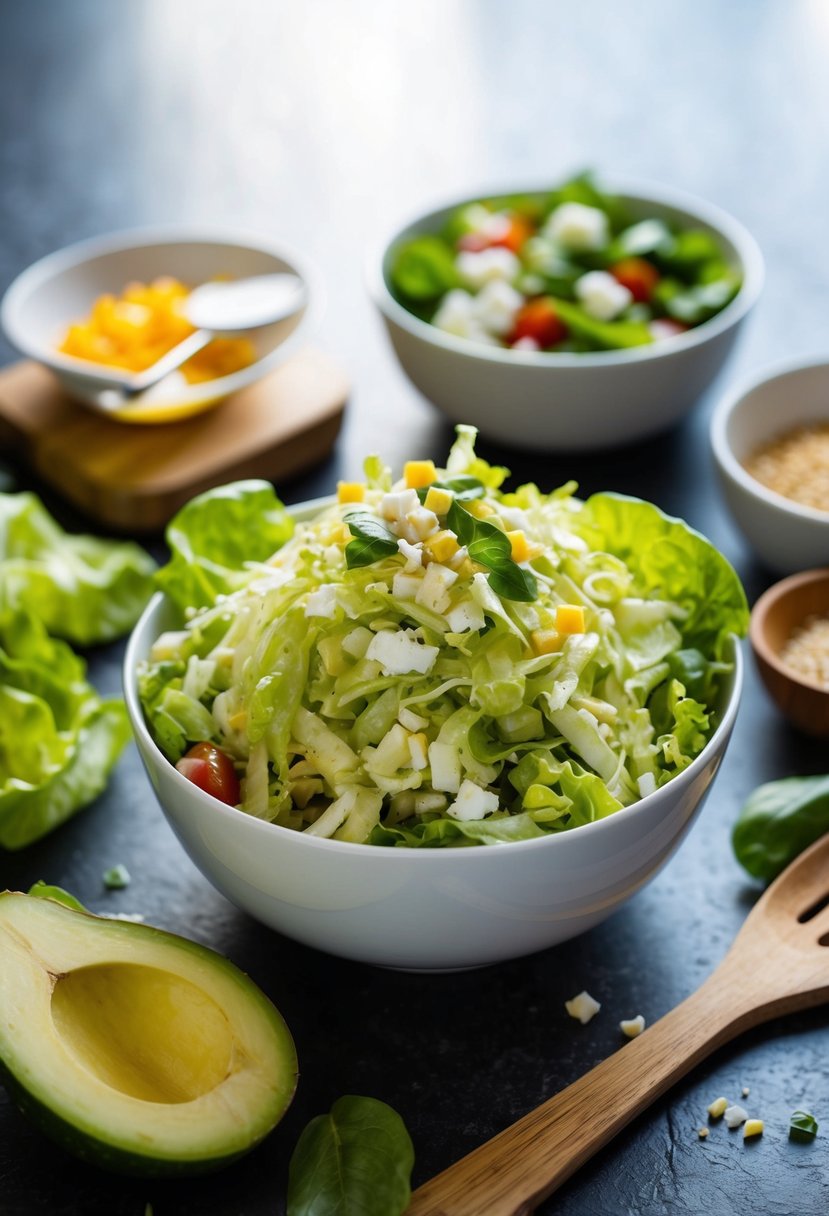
519	545
442	545
419	473
438	500
546	641
752	1127
479	508
570	618
351	491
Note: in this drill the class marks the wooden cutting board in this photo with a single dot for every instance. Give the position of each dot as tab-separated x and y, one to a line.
133	478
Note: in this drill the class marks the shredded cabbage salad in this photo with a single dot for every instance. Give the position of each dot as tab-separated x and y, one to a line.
438	662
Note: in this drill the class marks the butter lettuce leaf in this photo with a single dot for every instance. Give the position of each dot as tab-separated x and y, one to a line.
58	738
216	537
81	588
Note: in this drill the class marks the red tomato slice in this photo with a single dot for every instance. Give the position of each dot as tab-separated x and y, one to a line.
515	235
539	320
638	276
211	770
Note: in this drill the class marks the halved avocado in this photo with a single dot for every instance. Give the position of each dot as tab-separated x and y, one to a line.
139	1051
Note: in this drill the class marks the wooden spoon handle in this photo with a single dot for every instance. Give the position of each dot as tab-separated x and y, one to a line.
515	1170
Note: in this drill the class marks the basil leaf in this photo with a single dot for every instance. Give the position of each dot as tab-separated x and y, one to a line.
464	487
802	1126
490	547
372	540
355	1161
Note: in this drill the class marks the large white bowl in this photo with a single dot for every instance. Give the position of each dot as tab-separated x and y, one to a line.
788	537
423	909
61	288
571	402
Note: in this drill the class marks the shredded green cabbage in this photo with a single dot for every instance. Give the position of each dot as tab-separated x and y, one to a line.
394	695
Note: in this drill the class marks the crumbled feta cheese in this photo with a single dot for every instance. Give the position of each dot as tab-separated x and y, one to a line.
472	802
418	524
322	602
476	269
412	721
413	555
602	296
406	586
433	588
418	752
703	1133
496	306
465	616
582	1007
753	1127
445	764
515	518
745	1091
396	505
735	1115
576	226
718	1108
454	314
631	1027
400	652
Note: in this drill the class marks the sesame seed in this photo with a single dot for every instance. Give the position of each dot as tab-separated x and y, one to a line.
806	651
796	465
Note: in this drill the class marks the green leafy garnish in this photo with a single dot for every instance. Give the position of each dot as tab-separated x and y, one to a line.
802	1126
464	488
116	878
778	821
372	540
490	547
355	1161
424	269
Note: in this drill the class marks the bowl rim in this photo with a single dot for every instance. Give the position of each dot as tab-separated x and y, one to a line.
213	805
53	264
758	619
724	453
637	189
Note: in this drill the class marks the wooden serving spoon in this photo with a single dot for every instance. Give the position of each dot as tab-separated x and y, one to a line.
779	963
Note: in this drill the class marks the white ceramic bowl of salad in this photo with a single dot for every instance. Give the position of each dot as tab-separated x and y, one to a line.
61	289
478	348
436	772
784	413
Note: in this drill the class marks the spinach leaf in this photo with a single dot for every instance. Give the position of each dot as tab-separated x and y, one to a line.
372	540
355	1161
778	821
464	488
424	269
802	1126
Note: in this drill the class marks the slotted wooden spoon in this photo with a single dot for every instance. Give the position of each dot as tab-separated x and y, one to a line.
779	963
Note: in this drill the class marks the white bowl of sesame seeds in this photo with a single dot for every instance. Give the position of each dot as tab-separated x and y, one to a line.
770	440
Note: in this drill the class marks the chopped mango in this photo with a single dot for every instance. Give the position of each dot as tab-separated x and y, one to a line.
351	491
479	508
519	545
570	618
442	545
419	473
438	500
546	641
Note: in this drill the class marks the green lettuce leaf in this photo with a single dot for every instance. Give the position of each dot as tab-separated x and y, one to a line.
58	739
81	588
214	539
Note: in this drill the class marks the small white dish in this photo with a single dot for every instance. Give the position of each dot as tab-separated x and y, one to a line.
61	288
785	535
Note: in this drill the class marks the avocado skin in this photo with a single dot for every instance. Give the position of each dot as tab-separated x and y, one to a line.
108	1156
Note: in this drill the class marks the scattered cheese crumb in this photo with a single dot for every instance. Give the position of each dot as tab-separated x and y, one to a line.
735	1115
632	1026
472	802
753	1127
718	1108
702	1132
582	1007
746	1091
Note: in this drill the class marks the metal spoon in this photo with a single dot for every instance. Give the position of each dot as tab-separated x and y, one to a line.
214	308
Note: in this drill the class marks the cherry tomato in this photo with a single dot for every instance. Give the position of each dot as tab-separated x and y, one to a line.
638	276
514	236
539	320
211	770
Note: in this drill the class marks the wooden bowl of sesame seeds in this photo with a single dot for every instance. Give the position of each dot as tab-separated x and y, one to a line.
789	635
